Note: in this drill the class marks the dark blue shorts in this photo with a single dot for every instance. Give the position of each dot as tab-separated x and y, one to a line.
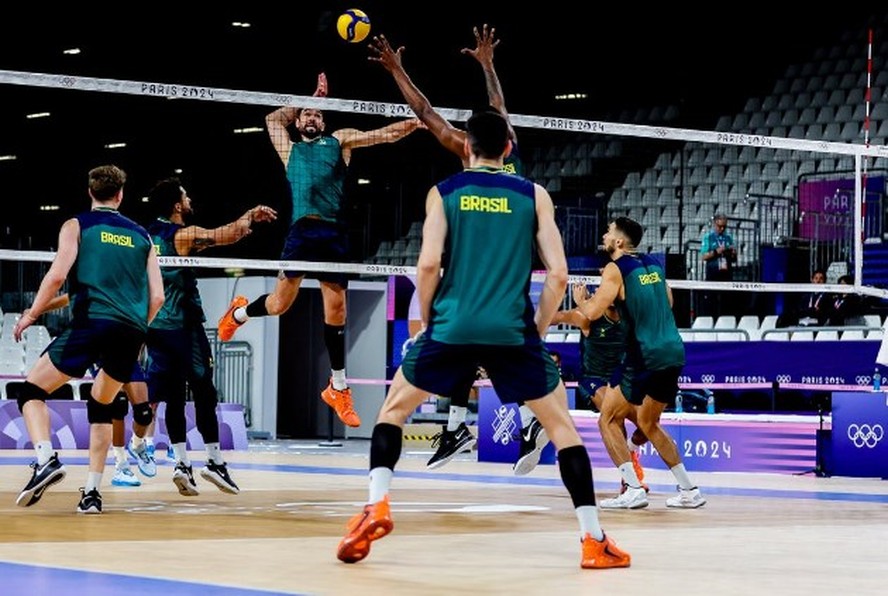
116	345
587	387
137	376
517	373
177	357
660	385
316	240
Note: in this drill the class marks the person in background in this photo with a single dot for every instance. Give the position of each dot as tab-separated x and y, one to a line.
816	308
719	255
655	356
602	346
847	309
179	357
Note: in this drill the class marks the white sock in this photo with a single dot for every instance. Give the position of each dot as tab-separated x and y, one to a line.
681	475
148	440
136	441
338	380
44	451
181	452
457	417
214	453
526	415
627	471
120	456
380	483
632	446
93	481
589	524
240	314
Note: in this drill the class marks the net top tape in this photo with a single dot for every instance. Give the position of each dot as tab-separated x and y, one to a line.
378	108
388	270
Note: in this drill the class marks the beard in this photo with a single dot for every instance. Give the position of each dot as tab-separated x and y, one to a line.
310	132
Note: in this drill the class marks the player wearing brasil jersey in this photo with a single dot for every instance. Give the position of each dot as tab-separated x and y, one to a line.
179	357
115	288
602	346
479	313
455	436
315	168
655	355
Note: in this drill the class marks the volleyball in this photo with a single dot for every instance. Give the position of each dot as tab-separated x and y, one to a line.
353	25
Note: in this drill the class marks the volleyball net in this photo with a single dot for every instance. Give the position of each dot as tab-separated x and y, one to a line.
793	204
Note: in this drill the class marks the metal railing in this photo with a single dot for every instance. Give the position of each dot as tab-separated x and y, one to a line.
233	373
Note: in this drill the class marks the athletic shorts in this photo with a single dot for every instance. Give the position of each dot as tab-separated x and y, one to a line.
116	345
318	241
175	357
517	373
586	389
660	385
137	376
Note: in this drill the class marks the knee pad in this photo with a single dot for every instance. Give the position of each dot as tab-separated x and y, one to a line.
97	413
143	414
119	407
29	391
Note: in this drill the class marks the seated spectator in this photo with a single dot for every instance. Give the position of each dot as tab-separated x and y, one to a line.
817	307
847	309
812	309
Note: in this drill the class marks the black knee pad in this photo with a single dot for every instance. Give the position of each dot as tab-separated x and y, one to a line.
97	413
29	391
143	414
119	407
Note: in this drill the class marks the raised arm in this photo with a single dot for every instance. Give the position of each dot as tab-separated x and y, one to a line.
551	250
352	138
452	138
606	294
195	238
428	266
276	123
483	53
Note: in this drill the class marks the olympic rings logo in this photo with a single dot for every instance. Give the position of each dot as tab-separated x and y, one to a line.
707	378
783	378
865	435
863	379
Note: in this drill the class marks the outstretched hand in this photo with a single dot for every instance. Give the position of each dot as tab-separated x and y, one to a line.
23	322
484	45
321	90
580	293
381	51
262	213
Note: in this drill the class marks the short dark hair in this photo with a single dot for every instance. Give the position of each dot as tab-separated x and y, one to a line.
165	194
488	133
631	228
105	182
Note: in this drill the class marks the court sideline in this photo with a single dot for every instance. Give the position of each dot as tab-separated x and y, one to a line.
469	526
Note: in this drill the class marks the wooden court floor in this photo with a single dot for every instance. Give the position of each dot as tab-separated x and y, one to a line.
468	527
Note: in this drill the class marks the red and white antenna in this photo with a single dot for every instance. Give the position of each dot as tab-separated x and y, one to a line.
866	126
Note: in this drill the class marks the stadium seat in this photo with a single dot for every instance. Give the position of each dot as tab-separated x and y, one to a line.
852	335
751	324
